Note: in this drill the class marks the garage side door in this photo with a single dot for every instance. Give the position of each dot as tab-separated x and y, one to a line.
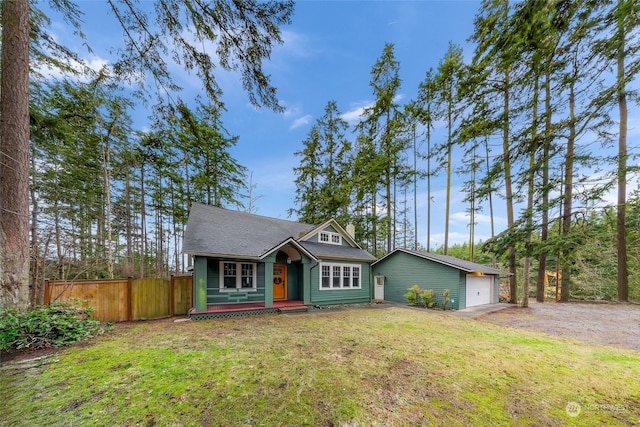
478	290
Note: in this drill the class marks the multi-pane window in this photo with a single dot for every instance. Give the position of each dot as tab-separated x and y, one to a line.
247	275
330	237
346	277
325	280
237	276
336	276
339	276
229	275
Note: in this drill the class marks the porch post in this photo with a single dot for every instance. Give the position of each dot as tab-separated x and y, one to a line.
306	280
268	280
200	283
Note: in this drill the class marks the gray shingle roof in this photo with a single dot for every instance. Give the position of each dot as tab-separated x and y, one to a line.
461	264
323	250
216	231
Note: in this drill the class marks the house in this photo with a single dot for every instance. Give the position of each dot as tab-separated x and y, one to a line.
469	283
250	264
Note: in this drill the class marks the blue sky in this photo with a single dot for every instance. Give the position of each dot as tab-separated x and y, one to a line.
329	51
327	54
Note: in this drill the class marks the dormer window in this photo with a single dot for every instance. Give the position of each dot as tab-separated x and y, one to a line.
330	237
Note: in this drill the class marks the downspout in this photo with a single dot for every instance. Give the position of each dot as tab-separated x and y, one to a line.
310	275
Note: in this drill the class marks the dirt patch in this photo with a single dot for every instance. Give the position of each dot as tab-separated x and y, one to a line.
612	324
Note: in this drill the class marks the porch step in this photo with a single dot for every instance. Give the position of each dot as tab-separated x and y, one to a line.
293	309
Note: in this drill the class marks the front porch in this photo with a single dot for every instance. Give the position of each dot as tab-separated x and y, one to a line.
222	311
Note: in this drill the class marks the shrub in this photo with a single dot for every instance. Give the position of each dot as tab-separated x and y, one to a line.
445	299
428	298
413	296
55	325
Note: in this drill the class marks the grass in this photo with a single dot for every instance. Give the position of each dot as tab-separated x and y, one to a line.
381	367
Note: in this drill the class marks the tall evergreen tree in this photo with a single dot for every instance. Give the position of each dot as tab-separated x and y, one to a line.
217	175
426	104
243	32
323	187
448	79
309	179
381	124
14	155
336	151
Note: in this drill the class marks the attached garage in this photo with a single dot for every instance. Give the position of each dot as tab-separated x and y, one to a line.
469	284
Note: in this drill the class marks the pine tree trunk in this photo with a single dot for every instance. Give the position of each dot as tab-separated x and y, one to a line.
415	190
128	225
143	224
622	272
428	188
448	197
37	295
513	281
14	155
526	275
491	216
568	190
106	176
544	233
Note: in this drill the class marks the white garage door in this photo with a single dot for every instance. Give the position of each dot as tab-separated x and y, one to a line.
479	290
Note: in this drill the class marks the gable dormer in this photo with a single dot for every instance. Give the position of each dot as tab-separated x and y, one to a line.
329	236
331	233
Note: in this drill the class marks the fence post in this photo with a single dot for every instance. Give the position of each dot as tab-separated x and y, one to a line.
47	290
129	296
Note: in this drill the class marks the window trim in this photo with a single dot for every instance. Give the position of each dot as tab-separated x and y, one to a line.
330	237
238	288
331	266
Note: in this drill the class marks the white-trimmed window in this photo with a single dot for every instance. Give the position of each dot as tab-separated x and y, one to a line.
330	237
339	276
238	276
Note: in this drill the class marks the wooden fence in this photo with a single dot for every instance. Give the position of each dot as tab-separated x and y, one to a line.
120	300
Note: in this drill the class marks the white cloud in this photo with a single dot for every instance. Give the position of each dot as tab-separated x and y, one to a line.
290	110
356	111
294	44
301	121
463	218
95	63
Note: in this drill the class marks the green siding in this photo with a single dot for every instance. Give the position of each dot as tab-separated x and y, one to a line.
214	296
463	291
330	228
341	296
207	283
294	276
200	283
402	270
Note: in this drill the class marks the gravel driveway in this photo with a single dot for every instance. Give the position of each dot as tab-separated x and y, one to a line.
596	323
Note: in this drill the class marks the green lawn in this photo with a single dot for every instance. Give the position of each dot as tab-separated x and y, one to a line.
383	367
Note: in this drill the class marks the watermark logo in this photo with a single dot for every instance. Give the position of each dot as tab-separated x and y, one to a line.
573	409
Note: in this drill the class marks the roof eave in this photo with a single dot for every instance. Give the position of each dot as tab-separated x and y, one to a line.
218	255
295	243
